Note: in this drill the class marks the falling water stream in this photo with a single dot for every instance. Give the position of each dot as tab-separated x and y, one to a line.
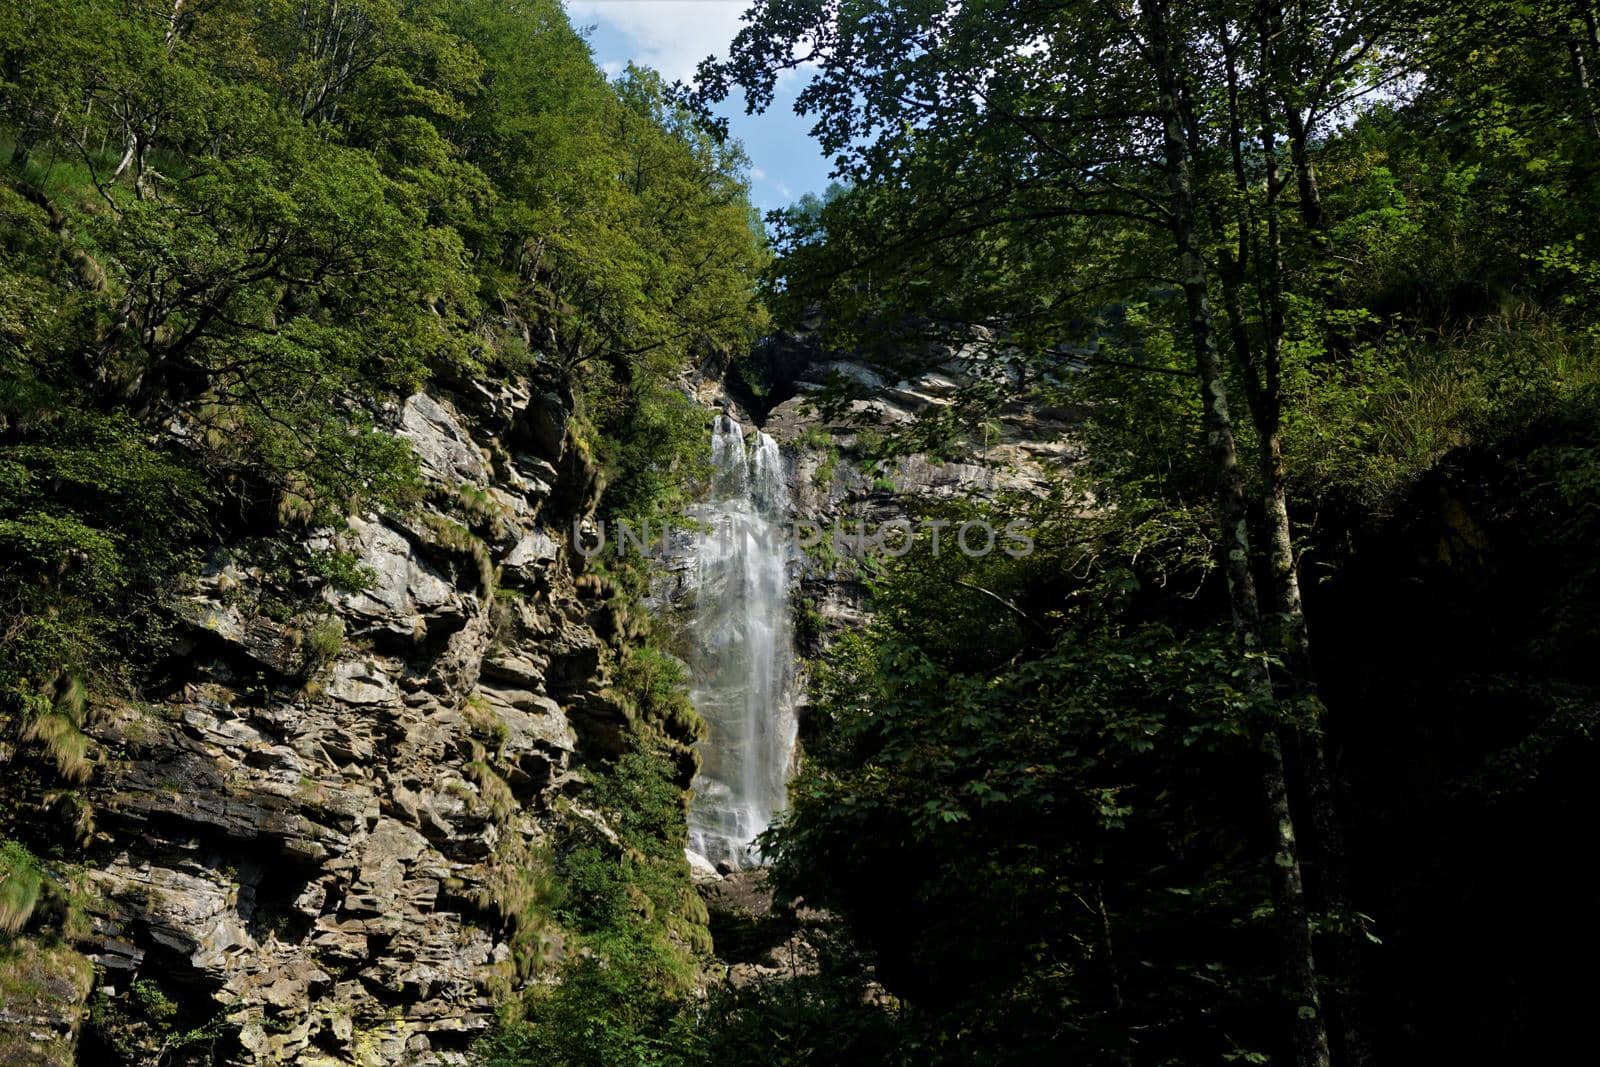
742	652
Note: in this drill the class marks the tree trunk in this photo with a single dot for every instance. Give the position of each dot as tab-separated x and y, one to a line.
127	156
1580	79
1268	21
1305	172
1269	25
1288	630
1299	966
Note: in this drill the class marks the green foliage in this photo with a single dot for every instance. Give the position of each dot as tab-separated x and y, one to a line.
1380	219
233	236
979	812
834	1016
606	1011
57	726
654	684
21	881
814	437
828	468
523	891
809	626
323	642
1399	408
145	1023
225	254
492	790
652	448
630	904
95	527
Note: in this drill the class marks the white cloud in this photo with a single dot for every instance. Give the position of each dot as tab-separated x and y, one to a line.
672	36
757	173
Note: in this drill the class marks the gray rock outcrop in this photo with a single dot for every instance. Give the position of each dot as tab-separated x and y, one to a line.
309	830
1021	449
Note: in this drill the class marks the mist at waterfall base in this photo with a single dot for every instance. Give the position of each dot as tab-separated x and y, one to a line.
741	648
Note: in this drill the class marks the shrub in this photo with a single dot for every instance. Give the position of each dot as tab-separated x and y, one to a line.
21	881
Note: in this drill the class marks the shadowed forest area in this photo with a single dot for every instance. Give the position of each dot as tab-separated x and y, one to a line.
1277	748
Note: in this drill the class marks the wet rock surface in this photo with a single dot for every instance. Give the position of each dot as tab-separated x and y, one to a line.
1021	449
759	935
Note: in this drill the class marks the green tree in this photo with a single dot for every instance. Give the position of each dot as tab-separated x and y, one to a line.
1024	140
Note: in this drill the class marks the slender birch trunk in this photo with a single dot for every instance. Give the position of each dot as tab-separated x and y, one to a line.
1289	630
1299	965
1580	80
1305	171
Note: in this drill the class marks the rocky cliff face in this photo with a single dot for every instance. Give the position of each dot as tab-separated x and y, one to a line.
1020	450
311	841
831	481
306	844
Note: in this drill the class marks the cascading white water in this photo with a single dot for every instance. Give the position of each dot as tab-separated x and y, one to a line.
742	652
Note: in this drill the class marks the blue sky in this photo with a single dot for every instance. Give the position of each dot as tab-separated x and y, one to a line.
673	36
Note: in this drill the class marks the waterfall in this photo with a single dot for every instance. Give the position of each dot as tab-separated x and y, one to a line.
742	650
